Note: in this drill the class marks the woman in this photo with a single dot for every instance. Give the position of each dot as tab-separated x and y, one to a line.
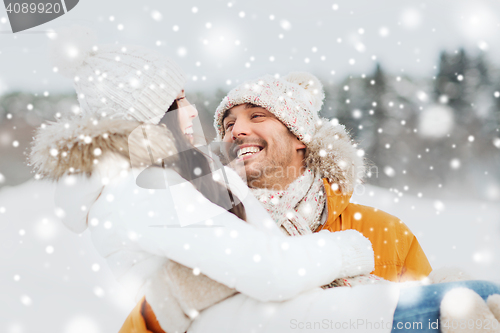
107	160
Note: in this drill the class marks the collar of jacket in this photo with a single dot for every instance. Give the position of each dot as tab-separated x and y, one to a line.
84	145
336	200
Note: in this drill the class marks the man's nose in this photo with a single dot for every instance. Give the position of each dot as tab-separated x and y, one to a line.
240	129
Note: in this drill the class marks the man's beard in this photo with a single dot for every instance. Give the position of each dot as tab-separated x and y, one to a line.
272	168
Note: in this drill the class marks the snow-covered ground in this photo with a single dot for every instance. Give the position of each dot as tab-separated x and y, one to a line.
53	280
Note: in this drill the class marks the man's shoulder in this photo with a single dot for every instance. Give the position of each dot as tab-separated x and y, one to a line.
375	218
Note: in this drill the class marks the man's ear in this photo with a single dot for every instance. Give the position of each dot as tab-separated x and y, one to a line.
299	145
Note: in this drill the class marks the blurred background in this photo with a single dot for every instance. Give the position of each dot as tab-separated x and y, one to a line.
416	83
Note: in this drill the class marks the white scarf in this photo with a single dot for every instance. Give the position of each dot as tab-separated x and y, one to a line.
298	208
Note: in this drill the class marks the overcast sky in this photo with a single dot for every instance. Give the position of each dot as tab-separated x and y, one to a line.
219	43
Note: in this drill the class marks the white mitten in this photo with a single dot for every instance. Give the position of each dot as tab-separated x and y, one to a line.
463	310
448	274
494	305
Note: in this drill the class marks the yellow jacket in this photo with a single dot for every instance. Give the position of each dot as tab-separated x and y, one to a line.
398	255
141	320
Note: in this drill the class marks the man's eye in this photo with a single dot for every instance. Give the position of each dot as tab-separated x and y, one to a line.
229	125
178	99
256	115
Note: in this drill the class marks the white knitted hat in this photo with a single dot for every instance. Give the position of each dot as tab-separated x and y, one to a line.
294	99
129	82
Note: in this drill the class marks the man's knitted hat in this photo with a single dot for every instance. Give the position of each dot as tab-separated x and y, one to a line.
129	82
294	99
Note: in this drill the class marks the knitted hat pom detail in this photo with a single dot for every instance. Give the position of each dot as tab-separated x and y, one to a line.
311	85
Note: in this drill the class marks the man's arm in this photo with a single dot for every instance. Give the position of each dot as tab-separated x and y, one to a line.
416	266
398	255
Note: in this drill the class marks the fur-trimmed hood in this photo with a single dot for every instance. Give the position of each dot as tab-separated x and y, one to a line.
80	146
333	154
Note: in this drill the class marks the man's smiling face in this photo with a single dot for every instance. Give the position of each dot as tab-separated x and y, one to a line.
272	155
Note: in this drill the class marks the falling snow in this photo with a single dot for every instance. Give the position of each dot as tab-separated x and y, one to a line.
430	117
455	163
436	121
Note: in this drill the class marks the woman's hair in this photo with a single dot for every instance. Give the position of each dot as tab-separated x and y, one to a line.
192	165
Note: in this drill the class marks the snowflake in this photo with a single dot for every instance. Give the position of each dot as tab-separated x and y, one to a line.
82	323
285	25
389	171
496	143
98	291
438	205
360	47
483	46
60	212
26	300
455	163
383	32
411	18
156	15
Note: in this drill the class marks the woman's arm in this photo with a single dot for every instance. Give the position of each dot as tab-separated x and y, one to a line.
265	266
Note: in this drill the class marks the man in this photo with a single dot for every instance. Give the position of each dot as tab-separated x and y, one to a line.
304	169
